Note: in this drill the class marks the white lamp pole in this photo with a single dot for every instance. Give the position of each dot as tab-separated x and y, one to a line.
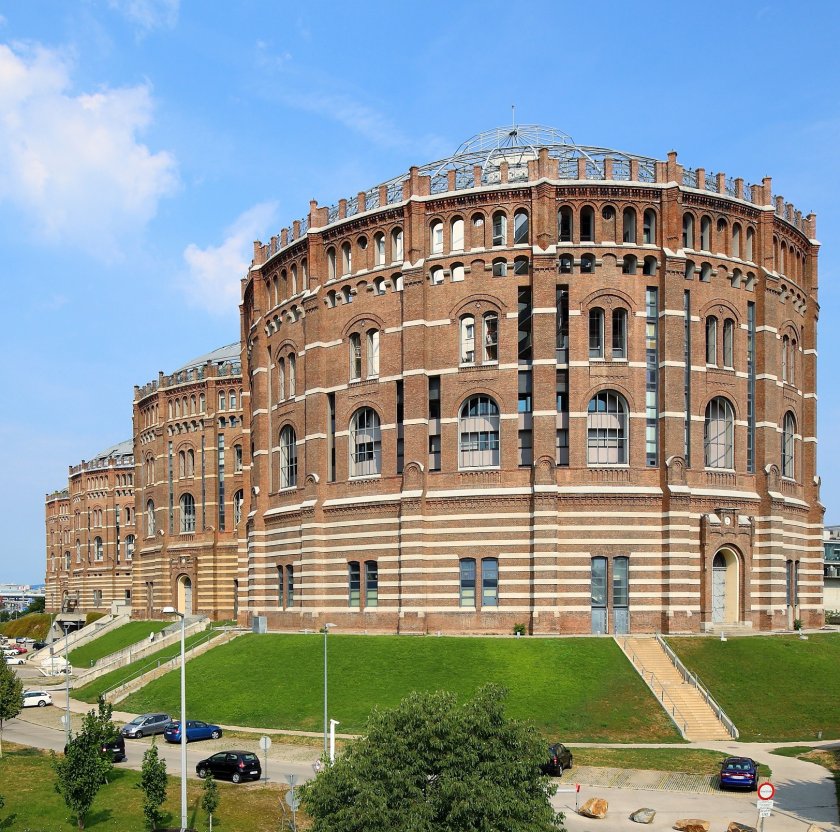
173	611
326	720
66	686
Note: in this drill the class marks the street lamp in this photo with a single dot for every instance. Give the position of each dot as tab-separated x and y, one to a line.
173	611
326	720
66	628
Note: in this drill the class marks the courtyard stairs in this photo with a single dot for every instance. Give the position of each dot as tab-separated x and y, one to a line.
690	706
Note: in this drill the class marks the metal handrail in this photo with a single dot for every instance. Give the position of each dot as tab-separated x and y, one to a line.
650	678
693	679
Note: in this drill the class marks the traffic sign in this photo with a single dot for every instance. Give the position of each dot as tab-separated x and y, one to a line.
265	743
765	808
766	791
292	800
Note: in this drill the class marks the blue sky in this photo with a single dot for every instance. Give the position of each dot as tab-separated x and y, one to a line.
144	144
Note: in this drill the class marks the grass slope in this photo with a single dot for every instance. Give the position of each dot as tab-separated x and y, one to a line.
35	625
576	689
32	803
774	688
114	640
92	691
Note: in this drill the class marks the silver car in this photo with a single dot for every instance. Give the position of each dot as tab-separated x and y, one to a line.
145	725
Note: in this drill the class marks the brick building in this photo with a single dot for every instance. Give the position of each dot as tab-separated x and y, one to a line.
535	383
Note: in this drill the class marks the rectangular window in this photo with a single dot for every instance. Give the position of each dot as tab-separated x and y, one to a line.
434	452
491	337
170	465
290	586
526	448
280	598
400	428
596	333
354	583
599	582
489	582
331	437
221	475
373	353
652	377
237	458
467	582
371	583
524	323
687	373
562	325
621	582
561	456
751	387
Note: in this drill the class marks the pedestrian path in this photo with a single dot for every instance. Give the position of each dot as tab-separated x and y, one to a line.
627	778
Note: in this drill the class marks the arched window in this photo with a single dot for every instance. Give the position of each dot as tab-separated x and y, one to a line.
436	237
466	582
78	551
748	254
457	270
397	246
788	446
520	228
467	331
688	231
288	457
182	464
129	546
587	224
565	224
690	268
238	504
792	362
566	264
499	228
606	429
457	234
372	353
285	283
281	379
355	356
706	272
729	343
187	513
379	249
587	264
711	340
346	259
292	375
491	337
150	518
294	280
706	233
500	267
649	227
719	434
202	403
365	443
98	552
521	265
736	240
596	333
649	267
330	263
222	400
628	234
619	333
478	431
628	265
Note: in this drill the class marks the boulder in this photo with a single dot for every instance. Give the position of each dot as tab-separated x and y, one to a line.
643	815
739	827
595	807
692	825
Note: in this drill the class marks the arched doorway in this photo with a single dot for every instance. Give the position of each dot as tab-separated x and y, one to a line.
185	595
725	607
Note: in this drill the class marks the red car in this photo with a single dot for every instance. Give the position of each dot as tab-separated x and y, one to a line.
19	649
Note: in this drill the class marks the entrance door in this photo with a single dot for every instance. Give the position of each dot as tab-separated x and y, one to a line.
185	595
719	589
599	595
621	596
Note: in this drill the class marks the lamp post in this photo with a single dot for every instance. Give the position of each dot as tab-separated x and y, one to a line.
326	720
173	611
66	628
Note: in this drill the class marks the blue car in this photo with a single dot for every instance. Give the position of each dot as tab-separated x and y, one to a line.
739	773
195	731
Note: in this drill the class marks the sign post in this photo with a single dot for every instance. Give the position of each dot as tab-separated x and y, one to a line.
764	804
265	744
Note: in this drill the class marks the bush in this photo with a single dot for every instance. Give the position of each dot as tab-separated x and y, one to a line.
832	616
519	629
93	616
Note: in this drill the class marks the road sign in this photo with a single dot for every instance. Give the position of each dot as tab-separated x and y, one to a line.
265	743
766	791
765	808
292	800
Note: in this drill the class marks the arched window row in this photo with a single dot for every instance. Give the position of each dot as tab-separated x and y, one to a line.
701	233
378	286
788	259
790	358
610	224
291	315
288	282
361	255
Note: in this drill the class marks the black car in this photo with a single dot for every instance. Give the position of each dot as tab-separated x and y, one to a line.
558	760
39	645
233	765
116	749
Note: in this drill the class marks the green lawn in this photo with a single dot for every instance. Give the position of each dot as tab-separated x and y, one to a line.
36	625
774	688
93	690
573	689
114	640
688	760
26	783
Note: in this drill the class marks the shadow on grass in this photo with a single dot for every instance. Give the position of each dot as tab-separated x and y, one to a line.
8	822
101	816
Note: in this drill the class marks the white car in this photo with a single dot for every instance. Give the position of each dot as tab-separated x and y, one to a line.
36	698
15	660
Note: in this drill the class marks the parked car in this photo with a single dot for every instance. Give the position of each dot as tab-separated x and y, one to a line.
739	773
19	649
235	765
116	748
36	699
145	725
39	645
558	760
195	731
15	660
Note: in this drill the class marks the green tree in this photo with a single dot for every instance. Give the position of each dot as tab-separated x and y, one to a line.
37	605
210	798
153	781
83	769
432	765
11	697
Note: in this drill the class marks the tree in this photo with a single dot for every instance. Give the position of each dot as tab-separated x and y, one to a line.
36	605
11	697
432	764
153	780
210	798
84	768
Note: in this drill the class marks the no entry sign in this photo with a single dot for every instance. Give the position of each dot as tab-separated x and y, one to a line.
766	791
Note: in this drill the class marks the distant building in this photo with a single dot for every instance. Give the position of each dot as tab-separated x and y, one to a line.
831	568
17	597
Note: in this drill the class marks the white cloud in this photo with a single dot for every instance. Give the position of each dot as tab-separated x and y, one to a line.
72	163
215	271
149	14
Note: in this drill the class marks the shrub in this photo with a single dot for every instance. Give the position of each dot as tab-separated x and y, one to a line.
519	629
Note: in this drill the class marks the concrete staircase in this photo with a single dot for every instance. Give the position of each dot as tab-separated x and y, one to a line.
694	714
